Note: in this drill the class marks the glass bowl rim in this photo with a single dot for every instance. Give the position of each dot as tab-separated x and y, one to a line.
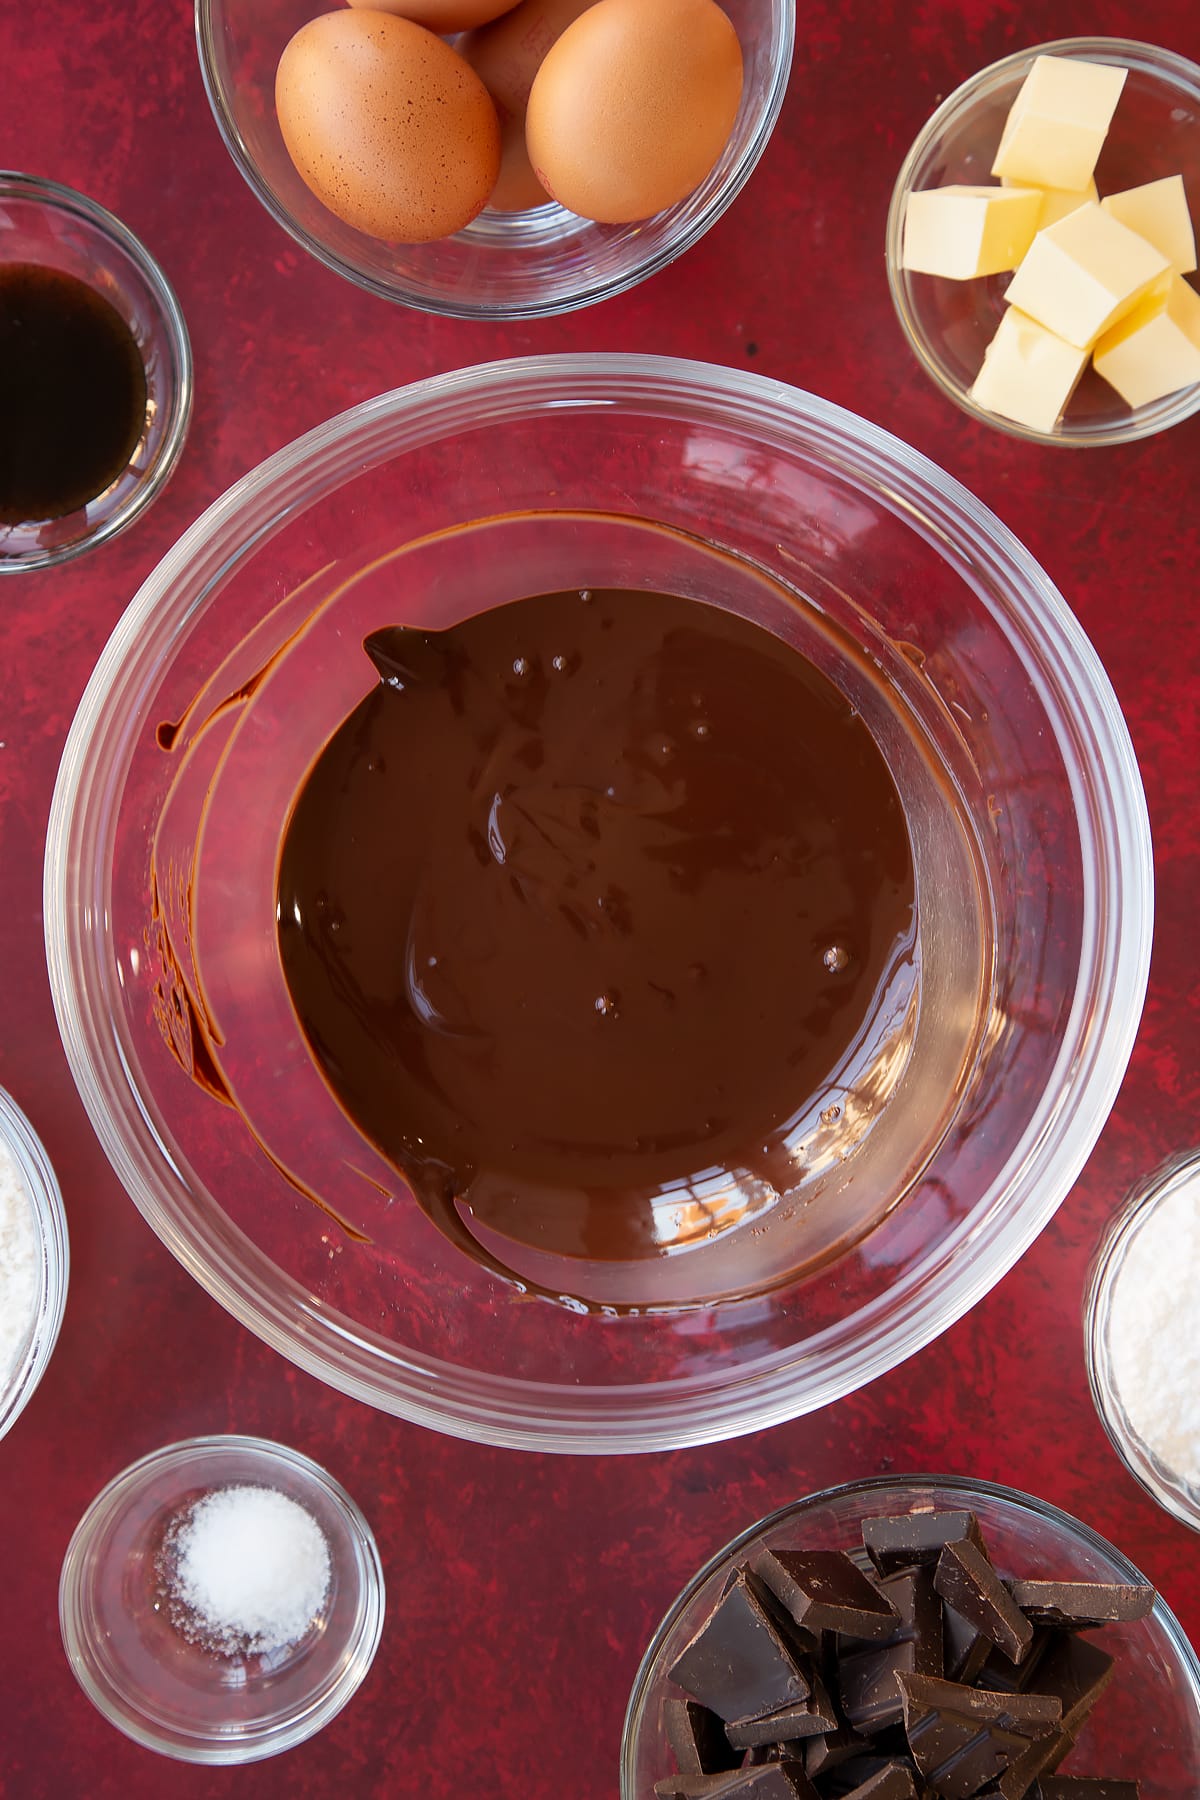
962	1486
588	292
1163	1485
53	1243
1039	1170
1143	422
57	197
260	1740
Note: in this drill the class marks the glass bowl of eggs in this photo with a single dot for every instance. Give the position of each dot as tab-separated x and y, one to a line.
644	128
598	1075
1106	261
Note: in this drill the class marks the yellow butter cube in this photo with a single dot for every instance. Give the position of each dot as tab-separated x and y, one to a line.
1056	202
1028	373
1058	122
1155	350
1158	211
964	231
1084	273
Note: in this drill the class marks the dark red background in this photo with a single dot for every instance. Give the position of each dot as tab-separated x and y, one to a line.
522	1588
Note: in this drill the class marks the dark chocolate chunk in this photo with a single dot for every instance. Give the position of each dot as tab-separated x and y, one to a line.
696	1787
811	1717
1079	1605
895	1782
783	1780
697	1737
1084	1787
964	1650
1042	1755
737	1664
962	1738
966	1580
897	1542
999	1673
867	1686
1076	1672
824	1591
824	1754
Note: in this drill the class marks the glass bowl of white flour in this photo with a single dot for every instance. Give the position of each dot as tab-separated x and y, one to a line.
1142	1334
33	1260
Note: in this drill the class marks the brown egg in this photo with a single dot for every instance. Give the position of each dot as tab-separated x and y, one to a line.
633	106
442	16
506	55
386	125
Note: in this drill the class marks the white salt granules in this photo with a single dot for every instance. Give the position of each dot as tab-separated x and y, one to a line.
250	1569
19	1263
1154	1331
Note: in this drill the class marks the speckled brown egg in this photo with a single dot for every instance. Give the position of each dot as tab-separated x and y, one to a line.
444	16
387	125
506	55
633	105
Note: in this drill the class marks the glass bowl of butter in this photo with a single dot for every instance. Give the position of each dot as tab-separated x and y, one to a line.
576	1225
1041	243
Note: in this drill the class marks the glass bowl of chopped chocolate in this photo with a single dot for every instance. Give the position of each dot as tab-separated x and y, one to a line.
95	375
554	152
1041	243
34	1260
916	1635
598	902
221	1599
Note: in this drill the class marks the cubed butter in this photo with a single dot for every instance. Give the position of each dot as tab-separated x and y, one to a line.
1056	202
1155	350
1083	274
1028	373
964	231
1058	122
1158	211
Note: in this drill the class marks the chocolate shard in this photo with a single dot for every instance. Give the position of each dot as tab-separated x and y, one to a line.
783	1780
831	1750
897	1542
696	1787
999	1673
964	1738
892	1783
824	1591
867	1689
1021	1774
1085	1787
964	1650
1075	1672
738	1665
1081	1605
966	1580
697	1737
810	1717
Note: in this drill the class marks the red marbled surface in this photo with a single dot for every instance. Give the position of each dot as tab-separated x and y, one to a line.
522	1588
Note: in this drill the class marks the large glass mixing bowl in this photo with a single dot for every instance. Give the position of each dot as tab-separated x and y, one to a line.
241	654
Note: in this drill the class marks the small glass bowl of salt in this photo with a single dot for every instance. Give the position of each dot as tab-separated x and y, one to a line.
34	1258
1142	1334
221	1599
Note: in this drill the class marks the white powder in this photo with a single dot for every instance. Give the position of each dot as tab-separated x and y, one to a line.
251	1569
1154	1331
19	1263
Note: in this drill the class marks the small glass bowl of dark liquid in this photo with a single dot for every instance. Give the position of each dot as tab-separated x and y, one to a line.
95	374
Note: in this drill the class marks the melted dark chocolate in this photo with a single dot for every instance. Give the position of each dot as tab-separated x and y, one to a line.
586	901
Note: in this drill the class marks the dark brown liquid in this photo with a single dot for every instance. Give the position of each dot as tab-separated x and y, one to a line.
587	899
72	394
